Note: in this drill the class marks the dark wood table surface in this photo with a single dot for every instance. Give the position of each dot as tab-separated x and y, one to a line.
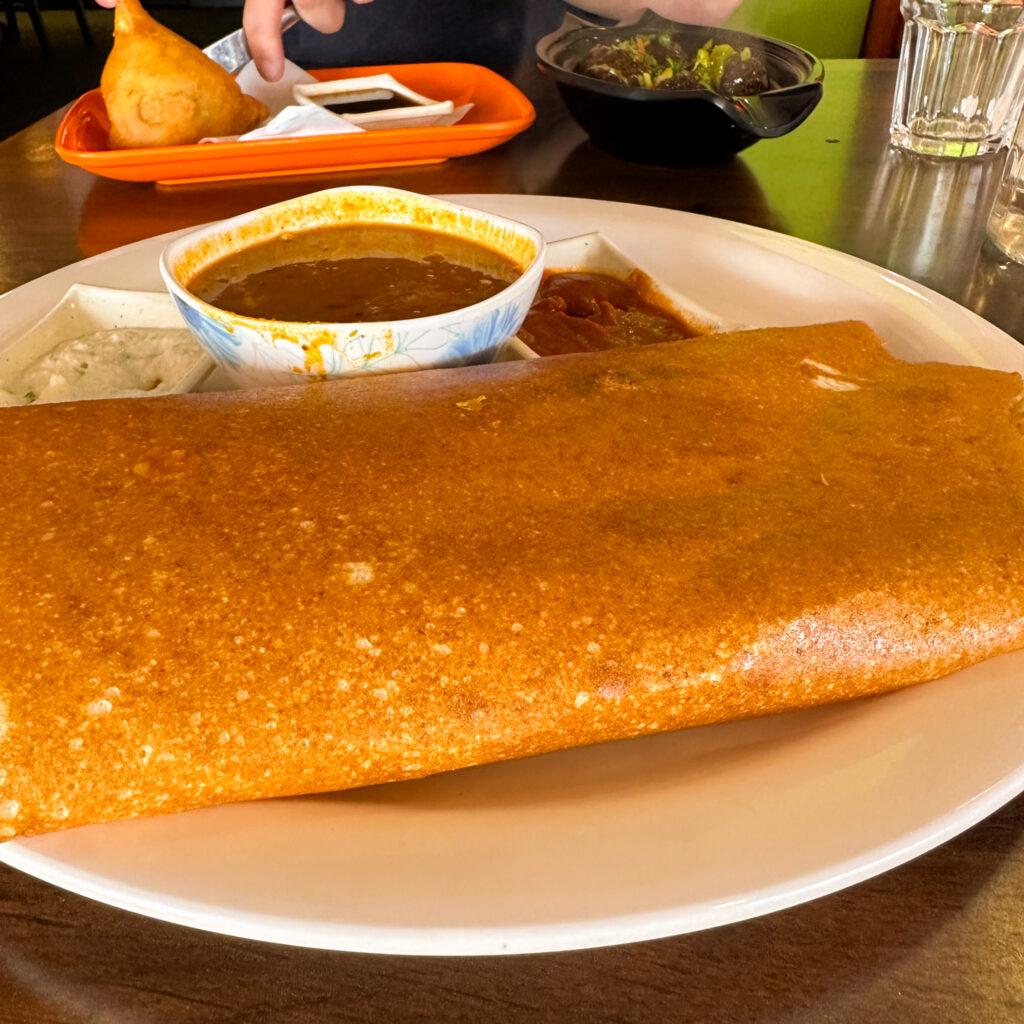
939	940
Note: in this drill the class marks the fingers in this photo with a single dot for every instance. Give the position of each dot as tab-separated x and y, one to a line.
262	23
325	16
111	3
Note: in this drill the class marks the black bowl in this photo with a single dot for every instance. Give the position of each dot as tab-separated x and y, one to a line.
685	127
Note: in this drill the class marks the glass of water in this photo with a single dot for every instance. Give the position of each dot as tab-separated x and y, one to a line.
960	84
1006	221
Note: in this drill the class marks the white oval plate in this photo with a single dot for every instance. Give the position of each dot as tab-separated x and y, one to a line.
621	842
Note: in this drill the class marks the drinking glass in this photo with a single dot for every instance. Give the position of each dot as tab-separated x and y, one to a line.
960	84
1006	220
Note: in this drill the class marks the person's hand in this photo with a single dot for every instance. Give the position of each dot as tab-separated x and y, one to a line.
262	23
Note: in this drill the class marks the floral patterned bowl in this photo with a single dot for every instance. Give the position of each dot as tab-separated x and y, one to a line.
266	352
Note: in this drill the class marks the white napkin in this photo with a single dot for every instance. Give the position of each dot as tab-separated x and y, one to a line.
287	119
276	95
291	120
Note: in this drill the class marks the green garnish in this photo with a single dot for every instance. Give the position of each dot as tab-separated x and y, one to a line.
709	63
719	55
631	62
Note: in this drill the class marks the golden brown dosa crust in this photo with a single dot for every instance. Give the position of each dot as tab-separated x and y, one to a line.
222	597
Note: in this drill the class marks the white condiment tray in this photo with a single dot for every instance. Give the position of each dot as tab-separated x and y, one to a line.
423	114
593	253
85	309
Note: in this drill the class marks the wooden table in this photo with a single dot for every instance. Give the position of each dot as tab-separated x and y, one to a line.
939	940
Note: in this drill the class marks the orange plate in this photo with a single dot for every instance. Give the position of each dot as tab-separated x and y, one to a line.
500	112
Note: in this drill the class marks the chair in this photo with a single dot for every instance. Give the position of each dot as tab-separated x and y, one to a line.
11	33
884	30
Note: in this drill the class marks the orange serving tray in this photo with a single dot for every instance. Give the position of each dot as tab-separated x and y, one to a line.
500	112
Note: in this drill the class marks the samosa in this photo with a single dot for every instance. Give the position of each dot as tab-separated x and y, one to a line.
160	90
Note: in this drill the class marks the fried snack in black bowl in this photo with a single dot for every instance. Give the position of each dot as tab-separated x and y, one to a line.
684	121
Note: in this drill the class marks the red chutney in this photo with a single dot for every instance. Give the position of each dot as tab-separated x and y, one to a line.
590	312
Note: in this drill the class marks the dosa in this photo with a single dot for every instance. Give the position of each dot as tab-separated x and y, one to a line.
213	598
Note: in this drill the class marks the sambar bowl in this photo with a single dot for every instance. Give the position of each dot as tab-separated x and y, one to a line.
261	352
